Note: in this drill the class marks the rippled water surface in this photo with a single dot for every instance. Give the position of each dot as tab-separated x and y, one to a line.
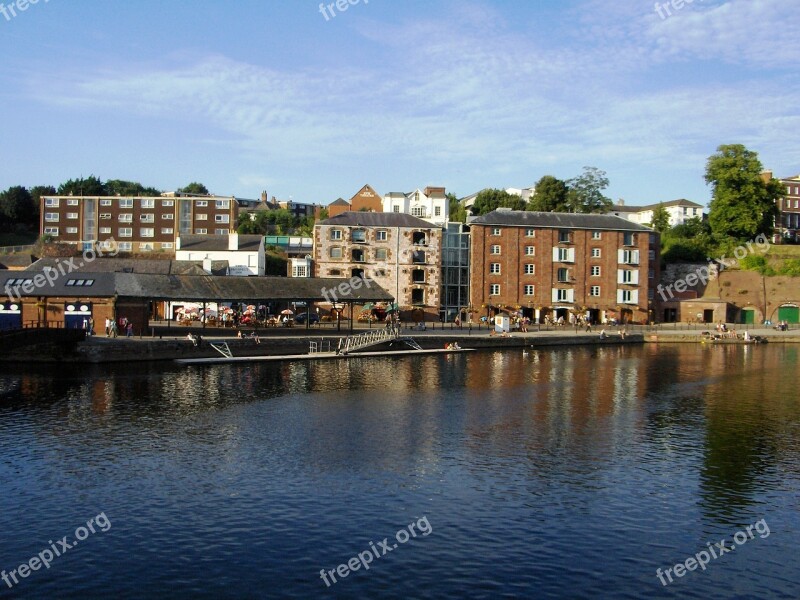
570	473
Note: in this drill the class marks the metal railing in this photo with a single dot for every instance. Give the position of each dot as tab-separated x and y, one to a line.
364	340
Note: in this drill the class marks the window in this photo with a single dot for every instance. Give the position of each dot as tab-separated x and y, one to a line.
221	232
201	231
126	202
166	245
147	218
51	202
148	203
125	232
530	250
336	253
201	217
494	289
201	203
105	230
167	231
562	295
105	202
594	290
418	276
418	296
564	237
145	247
336	234
418	211
225	204
596	252
651	274
124	246
396	209
147	232
418	238
358	236
595	271
72	215
381	254
530	232
651	254
628	239
628	296
72	202
51	217
125	218
381	235
495	231
564	255
168	203
299	270
628	257
494	268
437	211
168	216
51	230
358	255
529	290
563	275
80	282
495	249
530	269
628	276
335	273
72	230
222	218
418	257
597	235
105	215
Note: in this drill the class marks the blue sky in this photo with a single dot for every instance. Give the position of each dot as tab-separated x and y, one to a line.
249	95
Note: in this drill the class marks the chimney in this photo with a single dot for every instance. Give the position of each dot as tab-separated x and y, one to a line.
264	196
207	265
233	241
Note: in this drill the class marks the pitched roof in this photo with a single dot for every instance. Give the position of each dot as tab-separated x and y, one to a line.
339	202
524	218
16	261
192	287
219	243
106	264
375	219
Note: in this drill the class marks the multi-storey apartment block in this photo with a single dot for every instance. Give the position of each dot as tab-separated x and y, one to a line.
787	225
679	211
556	264
138	224
430	204
401	253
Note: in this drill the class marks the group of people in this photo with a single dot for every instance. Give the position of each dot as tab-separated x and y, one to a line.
253	336
124	324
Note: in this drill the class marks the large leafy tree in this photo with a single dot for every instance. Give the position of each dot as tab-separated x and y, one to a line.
744	203
491	199
585	193
89	186
195	188
37	192
120	187
660	220
550	195
16	205
457	211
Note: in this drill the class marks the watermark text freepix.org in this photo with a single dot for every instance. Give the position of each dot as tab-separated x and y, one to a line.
705	274
46	556
664	11
341	5
63	267
9	11
702	558
363	559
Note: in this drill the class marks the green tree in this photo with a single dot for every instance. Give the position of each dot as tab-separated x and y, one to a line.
120	187
743	203
585	193
550	195
457	211
660	220
491	199
16	205
89	186
323	214
195	188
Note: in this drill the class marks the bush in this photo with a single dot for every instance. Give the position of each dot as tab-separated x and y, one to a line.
790	267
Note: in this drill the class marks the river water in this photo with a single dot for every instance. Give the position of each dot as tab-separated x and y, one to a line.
566	473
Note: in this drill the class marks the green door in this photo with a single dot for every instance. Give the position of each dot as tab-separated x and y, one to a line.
790	314
748	316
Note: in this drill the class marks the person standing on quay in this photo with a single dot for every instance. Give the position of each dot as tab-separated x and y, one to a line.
129	329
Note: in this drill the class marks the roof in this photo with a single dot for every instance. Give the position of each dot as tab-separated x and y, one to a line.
524	218
340	202
190	287
668	204
375	219
130	265
16	261
219	243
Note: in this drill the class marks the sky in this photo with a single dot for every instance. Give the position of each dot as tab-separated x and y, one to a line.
252	95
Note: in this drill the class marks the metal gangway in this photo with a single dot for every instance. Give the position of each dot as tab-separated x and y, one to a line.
354	343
